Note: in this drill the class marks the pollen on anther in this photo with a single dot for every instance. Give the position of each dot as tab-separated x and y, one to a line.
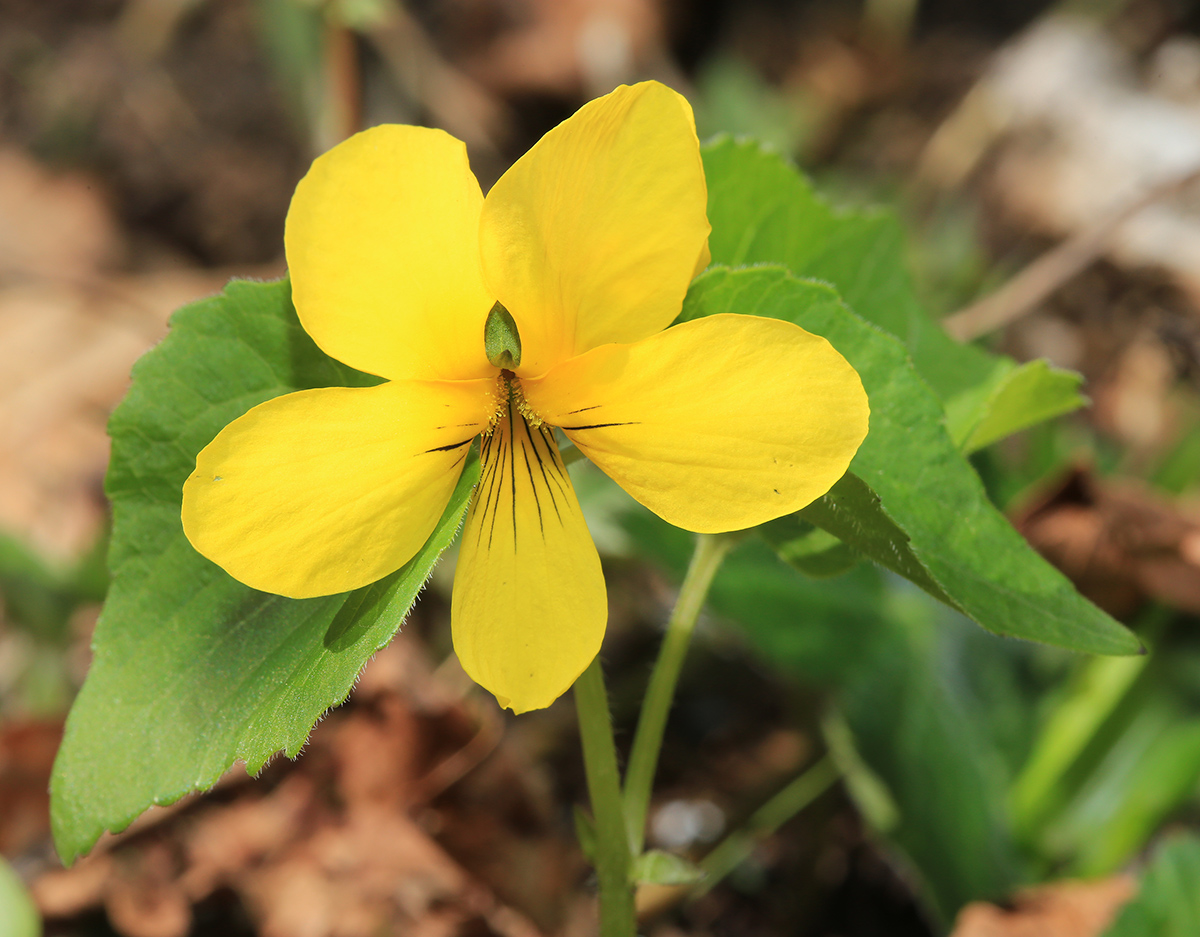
511	395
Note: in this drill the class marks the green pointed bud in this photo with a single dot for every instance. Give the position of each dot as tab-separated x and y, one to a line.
501	340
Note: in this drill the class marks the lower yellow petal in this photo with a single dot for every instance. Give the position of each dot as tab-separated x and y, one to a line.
716	424
323	491
529	605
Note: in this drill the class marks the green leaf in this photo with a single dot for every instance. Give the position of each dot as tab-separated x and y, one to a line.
813	551
851	511
1097	690
1168	903
762	593
1013	398
655	867
193	670
18	917
917	728
1149	783
764	212
972	555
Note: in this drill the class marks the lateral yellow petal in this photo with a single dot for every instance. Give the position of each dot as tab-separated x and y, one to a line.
593	235
529	605
382	241
327	490
716	424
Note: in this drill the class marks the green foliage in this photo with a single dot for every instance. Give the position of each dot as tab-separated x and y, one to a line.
1098	688
18	917
1168	903
763	212
40	596
923	733
1117	754
732	97
963	549
192	669
291	34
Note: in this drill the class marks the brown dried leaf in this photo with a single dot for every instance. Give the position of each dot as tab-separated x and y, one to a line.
27	752
1063	909
66	349
1119	543
52	224
573	46
327	846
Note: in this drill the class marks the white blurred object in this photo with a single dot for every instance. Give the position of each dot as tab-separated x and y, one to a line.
1082	136
678	824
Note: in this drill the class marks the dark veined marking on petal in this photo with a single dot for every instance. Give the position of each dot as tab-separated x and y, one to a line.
537	500
459	461
512	471
497	481
495	467
455	425
596	406
546	478
558	470
451	447
602	425
489	473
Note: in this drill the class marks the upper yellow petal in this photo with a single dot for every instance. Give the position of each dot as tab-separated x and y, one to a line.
529	605
327	490
382	242
716	424
593	235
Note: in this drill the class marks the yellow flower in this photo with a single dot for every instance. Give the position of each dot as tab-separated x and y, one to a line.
589	241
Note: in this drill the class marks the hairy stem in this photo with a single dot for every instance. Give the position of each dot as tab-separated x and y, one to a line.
643	759
613	854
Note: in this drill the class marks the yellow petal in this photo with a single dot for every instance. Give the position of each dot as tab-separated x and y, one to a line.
327	490
716	424
592	236
529	605
382	242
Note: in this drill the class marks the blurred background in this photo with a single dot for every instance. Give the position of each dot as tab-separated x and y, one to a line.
148	151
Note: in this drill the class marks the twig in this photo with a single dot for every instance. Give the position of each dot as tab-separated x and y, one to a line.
1040	279
455	767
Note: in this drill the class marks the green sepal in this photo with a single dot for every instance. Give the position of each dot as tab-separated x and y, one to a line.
501	340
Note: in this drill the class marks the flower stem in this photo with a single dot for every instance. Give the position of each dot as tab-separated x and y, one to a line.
643	759
613	855
794	797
